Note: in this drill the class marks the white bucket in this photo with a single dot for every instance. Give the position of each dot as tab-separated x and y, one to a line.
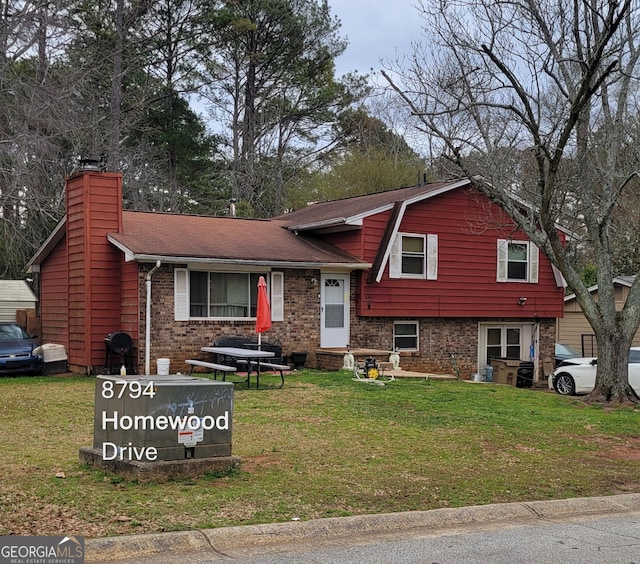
477	377
163	366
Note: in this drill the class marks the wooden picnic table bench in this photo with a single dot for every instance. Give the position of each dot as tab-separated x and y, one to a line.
212	366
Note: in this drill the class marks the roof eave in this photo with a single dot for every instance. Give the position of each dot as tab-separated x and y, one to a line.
252	262
144	257
616	280
50	242
328	225
356	221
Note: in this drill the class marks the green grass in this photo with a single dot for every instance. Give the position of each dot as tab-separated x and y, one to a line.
322	446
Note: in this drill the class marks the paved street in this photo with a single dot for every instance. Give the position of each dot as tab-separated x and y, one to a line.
586	531
606	540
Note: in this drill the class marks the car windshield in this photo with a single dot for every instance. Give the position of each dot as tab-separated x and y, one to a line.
10	332
561	348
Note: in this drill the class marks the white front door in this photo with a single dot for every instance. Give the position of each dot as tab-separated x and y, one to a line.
334	310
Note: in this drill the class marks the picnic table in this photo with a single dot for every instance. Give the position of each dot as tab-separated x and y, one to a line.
252	357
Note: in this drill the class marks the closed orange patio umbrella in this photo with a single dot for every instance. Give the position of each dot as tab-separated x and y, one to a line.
263	312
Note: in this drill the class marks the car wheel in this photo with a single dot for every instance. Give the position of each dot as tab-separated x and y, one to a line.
564	384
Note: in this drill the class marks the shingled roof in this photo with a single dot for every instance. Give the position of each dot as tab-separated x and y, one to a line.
189	238
349	212
286	240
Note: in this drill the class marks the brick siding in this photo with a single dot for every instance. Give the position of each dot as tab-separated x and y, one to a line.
439	338
181	340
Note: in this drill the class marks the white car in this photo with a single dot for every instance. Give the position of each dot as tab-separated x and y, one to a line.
578	375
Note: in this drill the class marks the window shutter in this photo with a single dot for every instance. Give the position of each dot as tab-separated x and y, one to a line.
534	259
432	257
277	296
181	294
503	250
395	257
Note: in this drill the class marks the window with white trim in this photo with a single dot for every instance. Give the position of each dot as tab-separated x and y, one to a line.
414	256
517	261
200	294
405	336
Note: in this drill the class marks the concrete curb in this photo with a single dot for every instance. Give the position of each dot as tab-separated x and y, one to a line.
226	540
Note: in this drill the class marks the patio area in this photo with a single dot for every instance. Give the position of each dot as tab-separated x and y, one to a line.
333	359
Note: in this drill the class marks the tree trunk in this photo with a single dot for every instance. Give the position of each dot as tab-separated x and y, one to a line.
113	155
249	124
612	380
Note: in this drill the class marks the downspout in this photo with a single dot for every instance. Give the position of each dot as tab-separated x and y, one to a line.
147	330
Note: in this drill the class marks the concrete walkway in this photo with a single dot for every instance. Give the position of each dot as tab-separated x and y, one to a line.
231	541
399	373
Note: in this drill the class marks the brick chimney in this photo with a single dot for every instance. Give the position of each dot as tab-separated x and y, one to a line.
94	209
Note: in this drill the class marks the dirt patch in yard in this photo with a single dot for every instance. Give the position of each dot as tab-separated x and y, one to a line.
617	448
625	449
625	452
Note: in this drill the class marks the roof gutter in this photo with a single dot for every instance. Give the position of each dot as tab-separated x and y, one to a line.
250	262
318	224
147	330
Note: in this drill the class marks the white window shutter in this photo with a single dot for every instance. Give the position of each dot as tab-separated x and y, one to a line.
395	257
277	296
432	257
534	259
181	294
503	253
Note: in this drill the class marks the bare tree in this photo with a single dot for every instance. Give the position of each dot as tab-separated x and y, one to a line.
535	101
38	126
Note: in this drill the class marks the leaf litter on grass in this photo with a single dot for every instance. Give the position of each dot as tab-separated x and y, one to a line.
321	446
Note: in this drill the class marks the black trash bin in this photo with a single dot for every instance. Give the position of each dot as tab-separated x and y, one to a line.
525	375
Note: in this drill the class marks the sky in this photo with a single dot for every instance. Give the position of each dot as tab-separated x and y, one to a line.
375	29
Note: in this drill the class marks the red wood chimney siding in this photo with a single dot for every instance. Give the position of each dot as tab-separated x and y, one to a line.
130	299
94	208
468	228
54	298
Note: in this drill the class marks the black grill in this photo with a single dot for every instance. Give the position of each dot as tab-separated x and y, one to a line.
118	342
118	345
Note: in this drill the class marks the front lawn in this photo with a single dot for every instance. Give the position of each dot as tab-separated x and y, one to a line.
322	446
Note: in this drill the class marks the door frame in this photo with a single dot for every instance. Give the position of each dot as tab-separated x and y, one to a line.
529	337
333	338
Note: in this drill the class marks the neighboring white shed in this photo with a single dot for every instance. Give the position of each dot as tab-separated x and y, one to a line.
15	295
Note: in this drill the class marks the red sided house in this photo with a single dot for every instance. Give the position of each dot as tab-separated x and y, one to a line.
431	270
